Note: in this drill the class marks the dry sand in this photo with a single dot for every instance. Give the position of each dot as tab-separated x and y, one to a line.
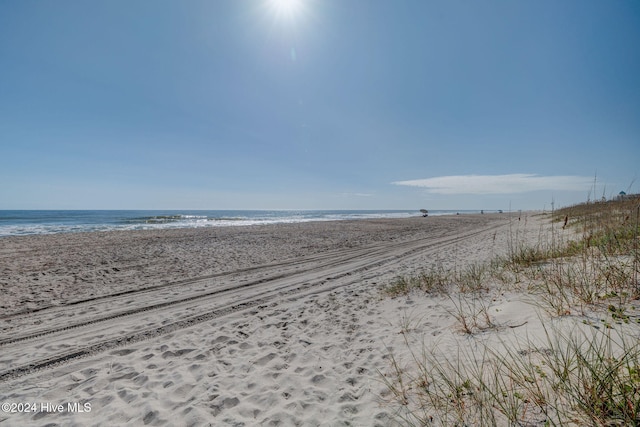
266	325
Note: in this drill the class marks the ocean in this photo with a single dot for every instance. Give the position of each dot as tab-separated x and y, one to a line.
28	222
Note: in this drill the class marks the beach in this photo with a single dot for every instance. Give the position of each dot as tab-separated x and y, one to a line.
280	324
319	213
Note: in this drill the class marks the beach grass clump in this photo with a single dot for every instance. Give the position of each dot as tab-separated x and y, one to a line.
571	378
597	374
579	377
472	278
582	284
436	389
399	287
439	281
471	313
527	256
436	280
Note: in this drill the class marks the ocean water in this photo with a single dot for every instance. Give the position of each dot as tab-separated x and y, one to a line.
26	222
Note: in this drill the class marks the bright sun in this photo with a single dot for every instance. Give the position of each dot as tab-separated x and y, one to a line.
286	8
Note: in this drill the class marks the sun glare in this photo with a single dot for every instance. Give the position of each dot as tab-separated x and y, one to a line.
286	8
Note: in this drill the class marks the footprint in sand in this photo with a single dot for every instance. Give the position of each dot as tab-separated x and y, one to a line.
123	352
126	397
347	397
265	359
318	379
177	353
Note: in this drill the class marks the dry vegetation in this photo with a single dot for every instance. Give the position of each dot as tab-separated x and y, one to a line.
584	369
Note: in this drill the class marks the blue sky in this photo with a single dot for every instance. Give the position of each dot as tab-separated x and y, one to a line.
309	104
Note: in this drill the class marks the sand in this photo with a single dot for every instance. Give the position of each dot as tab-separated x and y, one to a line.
262	325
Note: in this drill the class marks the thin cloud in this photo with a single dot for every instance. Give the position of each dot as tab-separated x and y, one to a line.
499	184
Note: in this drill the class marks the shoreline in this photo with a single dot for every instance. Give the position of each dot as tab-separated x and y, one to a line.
280	323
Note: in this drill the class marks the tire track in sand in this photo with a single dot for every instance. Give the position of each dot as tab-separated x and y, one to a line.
59	343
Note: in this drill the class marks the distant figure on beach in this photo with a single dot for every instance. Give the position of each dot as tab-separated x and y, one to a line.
425	212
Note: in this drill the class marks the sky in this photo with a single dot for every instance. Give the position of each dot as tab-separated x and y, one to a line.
318	104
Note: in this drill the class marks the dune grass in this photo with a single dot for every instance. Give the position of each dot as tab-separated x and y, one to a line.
586	368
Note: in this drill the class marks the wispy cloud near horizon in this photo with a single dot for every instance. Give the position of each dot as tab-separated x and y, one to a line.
499	184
